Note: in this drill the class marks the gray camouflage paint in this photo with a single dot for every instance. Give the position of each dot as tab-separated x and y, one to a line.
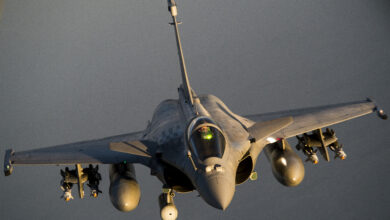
362	20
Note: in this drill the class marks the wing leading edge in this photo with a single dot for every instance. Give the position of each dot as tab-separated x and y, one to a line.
86	152
308	119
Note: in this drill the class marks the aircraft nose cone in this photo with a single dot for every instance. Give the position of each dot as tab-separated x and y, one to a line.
217	190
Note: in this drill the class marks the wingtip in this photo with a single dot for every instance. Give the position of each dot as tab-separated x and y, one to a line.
8	168
379	111
382	114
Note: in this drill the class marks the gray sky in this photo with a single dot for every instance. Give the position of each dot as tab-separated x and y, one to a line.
81	69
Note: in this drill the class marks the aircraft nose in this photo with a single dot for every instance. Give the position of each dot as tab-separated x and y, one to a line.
216	190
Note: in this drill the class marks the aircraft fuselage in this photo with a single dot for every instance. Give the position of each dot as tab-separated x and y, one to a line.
213	177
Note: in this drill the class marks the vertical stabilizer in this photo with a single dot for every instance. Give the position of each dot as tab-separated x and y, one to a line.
185	83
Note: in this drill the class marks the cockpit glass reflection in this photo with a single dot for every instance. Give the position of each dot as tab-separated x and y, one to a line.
206	140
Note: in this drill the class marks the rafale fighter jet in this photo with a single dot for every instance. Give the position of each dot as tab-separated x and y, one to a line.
196	143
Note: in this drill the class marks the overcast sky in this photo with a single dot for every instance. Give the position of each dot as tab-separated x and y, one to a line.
73	70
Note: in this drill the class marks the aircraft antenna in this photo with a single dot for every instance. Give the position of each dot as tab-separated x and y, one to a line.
185	84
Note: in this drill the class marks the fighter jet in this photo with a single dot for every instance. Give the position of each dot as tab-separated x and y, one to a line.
195	142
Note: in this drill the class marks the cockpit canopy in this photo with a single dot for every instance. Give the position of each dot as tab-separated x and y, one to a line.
205	138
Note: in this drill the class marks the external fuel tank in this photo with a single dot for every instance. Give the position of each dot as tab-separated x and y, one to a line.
287	166
125	192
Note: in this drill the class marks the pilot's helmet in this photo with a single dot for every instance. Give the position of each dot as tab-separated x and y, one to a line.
205	133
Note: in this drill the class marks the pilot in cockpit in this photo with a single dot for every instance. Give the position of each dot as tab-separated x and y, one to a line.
205	133
205	138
